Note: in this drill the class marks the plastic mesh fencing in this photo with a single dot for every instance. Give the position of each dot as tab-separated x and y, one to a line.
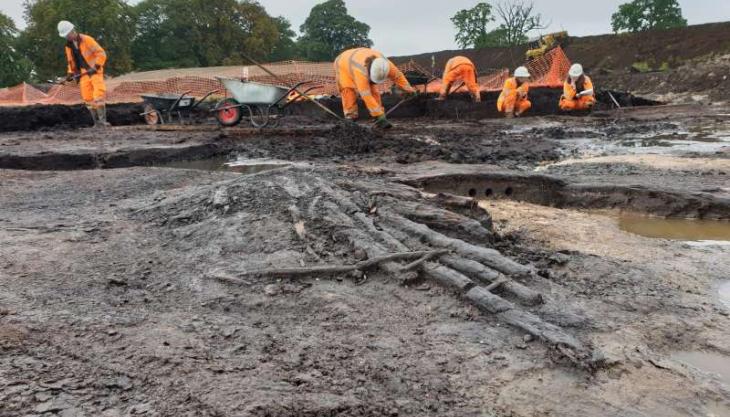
547	71
550	70
22	93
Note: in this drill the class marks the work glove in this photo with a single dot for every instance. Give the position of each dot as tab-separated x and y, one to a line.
410	94
383	123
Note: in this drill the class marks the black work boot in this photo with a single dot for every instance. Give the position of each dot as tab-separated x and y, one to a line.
94	115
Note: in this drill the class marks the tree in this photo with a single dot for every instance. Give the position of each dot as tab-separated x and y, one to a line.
329	30
471	25
286	47
517	20
200	33
110	22
640	15
14	67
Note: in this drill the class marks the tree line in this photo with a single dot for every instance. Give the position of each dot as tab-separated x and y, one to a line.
158	34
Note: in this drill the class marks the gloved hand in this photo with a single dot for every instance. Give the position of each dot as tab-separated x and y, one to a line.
410	94
383	123
91	71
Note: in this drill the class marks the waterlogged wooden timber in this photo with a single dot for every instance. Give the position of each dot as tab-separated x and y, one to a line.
338	269
510	314
487	275
489	257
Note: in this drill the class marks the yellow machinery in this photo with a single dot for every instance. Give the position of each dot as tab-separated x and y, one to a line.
546	43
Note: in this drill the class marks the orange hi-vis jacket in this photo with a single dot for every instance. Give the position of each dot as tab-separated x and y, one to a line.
569	92
513	96
352	74
461	68
90	50
569	101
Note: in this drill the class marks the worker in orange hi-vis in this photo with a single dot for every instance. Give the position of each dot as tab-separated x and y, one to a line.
358	72
578	91
513	101
86	61
460	68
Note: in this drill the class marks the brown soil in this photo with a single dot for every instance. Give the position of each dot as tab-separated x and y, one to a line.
606	53
696	57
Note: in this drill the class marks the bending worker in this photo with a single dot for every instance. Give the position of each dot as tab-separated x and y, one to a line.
513	101
578	91
86	61
460	68
359	71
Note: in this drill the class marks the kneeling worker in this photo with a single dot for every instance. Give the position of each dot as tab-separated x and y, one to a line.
578	91
460	68
86	61
513	101
359	71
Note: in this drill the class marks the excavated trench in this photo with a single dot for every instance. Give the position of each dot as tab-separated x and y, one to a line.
555	192
459	106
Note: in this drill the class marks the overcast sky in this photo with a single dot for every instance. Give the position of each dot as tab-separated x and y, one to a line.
404	27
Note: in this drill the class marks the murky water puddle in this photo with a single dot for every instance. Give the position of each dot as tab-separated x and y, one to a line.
708	362
674	229
223	163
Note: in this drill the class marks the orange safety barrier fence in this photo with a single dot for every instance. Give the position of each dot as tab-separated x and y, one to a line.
547	71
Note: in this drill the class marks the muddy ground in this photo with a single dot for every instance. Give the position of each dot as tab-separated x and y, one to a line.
128	291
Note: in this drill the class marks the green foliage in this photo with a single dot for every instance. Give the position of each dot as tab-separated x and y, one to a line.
517	20
14	67
329	30
286	47
200	33
640	15
110	22
471	25
641	66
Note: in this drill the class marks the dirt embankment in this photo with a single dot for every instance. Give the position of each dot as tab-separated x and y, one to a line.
606	53
695	61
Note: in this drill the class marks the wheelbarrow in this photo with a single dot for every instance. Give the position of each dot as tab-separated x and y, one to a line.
162	108
263	104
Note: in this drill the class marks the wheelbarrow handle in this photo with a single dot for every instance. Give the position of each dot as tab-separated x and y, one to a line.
172	107
204	97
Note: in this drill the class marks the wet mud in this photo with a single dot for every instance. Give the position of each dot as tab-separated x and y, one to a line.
149	289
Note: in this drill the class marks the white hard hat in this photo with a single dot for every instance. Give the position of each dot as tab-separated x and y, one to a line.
379	70
576	70
522	72
64	28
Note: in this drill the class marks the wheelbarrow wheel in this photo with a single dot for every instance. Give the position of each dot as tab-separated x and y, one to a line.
151	117
228	112
259	116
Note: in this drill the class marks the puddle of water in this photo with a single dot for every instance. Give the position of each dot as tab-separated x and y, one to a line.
211	164
242	166
724	292
711	363
675	229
